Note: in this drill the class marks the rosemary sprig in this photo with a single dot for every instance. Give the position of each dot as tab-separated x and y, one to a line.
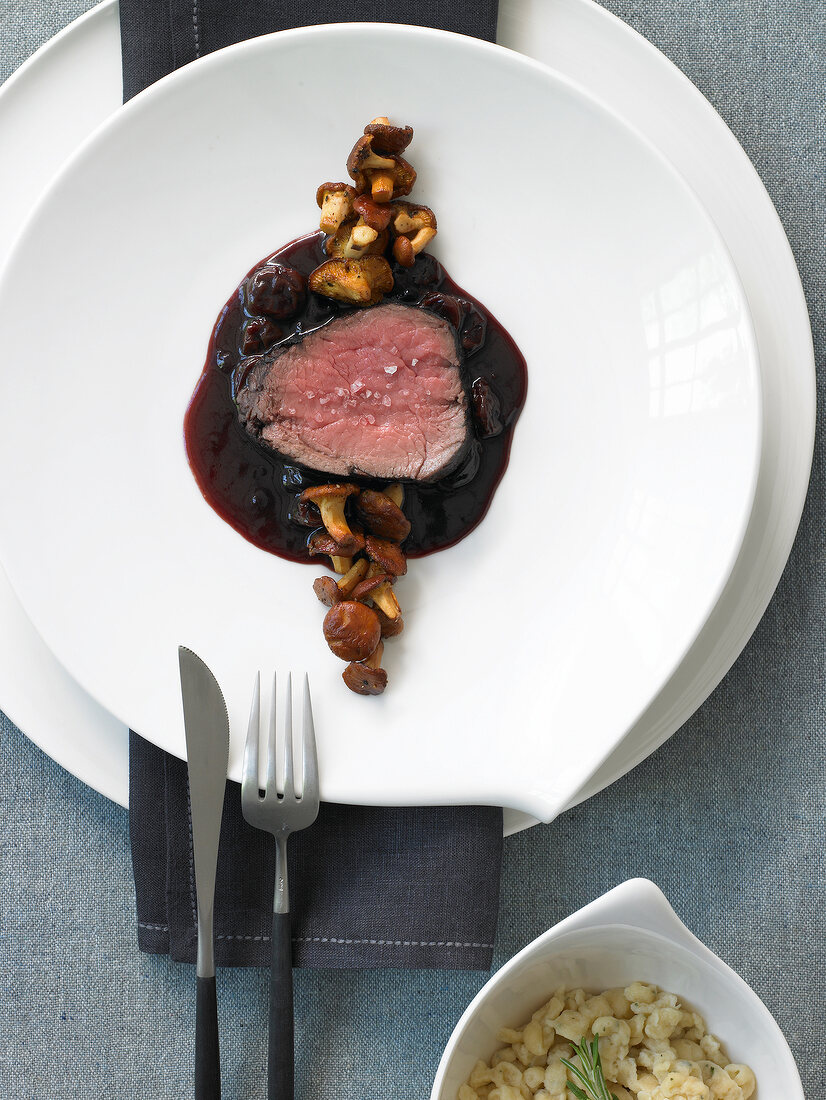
590	1074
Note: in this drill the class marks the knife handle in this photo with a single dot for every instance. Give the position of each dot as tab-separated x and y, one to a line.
280	1069
207	1060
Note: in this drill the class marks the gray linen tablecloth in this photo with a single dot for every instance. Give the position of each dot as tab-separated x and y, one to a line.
729	817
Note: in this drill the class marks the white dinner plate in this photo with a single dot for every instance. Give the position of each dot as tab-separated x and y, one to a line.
73	83
633	465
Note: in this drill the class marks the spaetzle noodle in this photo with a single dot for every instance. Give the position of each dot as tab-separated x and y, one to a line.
651	1048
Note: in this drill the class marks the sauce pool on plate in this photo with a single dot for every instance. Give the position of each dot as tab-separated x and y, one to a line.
256	490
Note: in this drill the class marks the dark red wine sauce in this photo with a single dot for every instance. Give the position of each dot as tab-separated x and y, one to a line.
256	490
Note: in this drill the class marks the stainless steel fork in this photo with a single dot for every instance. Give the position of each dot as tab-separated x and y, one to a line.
280	813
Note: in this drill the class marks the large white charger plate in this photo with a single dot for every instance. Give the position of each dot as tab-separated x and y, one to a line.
73	83
634	463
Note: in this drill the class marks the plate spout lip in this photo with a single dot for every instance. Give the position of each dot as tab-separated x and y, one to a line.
638	903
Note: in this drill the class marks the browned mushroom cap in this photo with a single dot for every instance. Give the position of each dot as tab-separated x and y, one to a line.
386	177
367	677
341	491
364	589
362	157
352	630
375	214
330	500
322	543
355	239
410	217
387	138
327	590
336	202
389	627
416	223
404	177
403	252
386	554
361	282
381	516
364	680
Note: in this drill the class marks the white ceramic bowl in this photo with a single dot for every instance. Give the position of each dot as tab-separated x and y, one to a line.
631	933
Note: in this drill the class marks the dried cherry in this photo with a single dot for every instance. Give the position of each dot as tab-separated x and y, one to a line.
487	409
412	282
474	329
445	305
258	334
276	290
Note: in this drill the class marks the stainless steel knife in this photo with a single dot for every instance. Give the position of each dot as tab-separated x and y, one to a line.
207	751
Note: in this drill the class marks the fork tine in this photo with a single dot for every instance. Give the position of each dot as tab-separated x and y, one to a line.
271	789
249	778
309	778
289	785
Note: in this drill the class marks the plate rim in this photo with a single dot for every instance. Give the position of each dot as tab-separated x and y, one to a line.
544	803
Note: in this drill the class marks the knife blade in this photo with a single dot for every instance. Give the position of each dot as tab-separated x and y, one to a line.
206	724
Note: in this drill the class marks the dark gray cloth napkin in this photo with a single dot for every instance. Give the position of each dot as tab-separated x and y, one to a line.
369	886
158	36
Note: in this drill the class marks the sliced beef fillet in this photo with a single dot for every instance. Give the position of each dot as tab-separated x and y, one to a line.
377	392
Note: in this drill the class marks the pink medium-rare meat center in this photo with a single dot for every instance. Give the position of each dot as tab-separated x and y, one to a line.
377	392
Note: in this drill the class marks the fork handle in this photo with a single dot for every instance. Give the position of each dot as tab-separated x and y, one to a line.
281	1051
207	1062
